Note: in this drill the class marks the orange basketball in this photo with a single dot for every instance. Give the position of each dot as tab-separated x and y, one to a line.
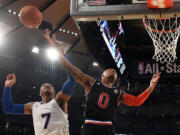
30	16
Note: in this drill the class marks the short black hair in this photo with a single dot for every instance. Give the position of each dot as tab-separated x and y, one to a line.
47	84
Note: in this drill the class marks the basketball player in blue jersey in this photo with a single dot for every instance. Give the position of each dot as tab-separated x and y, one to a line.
102	99
49	115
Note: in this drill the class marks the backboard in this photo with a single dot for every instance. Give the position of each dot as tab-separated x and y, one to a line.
136	9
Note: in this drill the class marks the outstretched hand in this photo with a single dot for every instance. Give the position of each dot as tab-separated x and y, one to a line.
155	79
11	80
54	37
53	42
46	33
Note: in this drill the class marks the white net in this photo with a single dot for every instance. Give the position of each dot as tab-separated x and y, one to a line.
164	33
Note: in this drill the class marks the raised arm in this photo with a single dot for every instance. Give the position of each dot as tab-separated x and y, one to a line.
59	44
8	106
83	79
131	100
66	92
63	96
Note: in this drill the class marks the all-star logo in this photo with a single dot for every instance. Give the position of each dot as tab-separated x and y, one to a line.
116	91
152	68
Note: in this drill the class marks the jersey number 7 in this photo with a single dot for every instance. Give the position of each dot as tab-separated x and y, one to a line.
47	116
103	100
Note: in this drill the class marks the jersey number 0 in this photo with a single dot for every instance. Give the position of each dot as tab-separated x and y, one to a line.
103	100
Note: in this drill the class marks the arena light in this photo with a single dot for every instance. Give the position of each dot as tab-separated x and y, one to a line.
9	10
1	39
4	29
35	50
75	34
68	32
52	54
95	64
14	13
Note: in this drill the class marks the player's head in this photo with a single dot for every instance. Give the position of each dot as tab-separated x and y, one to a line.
109	76
47	92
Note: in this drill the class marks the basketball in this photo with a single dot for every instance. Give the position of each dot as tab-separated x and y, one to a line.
30	16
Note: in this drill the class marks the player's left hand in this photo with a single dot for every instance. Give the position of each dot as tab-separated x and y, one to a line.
155	79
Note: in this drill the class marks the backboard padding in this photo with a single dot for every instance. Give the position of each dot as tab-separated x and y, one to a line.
83	12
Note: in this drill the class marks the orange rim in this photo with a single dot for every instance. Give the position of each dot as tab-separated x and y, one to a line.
160	31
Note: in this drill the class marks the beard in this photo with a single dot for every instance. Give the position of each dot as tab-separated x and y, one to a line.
111	79
47	93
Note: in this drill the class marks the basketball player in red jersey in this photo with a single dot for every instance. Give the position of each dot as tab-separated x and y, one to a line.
102	98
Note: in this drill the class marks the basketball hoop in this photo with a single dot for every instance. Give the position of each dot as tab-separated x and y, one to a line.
164	33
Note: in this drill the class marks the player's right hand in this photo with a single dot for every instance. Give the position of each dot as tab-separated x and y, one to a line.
11	80
54	37
46	33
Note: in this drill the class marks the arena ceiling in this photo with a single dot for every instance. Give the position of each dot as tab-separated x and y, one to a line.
54	11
